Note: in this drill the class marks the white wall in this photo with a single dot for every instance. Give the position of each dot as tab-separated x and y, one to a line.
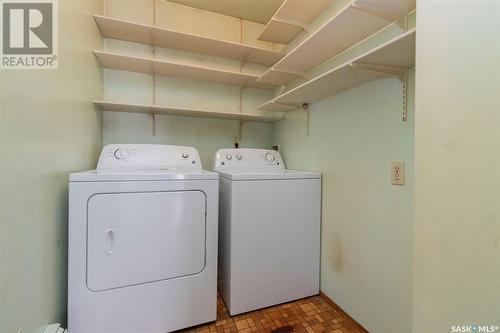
48	128
2	316
457	140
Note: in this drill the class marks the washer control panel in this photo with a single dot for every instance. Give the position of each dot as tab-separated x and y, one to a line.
248	159
144	156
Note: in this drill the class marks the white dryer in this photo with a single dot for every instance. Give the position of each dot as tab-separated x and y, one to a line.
142	242
269	230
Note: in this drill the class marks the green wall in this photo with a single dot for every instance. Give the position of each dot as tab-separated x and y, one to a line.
367	223
207	135
49	128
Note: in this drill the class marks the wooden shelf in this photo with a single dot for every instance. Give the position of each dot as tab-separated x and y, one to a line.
162	67
277	77
275	107
291	18
389	59
140	33
176	111
355	22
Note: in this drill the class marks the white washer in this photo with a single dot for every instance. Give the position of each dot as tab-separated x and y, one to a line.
269	230
142	242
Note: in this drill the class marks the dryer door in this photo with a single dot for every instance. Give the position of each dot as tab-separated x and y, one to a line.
143	237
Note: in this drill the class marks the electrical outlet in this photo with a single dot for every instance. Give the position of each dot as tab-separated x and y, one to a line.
398	173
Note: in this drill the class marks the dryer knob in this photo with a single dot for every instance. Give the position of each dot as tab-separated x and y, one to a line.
121	153
239	157
185	155
269	157
229	157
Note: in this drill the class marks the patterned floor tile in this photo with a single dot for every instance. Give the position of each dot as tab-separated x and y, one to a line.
311	315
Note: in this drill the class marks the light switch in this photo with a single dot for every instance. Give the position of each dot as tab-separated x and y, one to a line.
398	173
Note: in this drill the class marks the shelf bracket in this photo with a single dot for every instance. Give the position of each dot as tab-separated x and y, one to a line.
405	98
304	26
403	22
398	71
244	59
391	70
305	107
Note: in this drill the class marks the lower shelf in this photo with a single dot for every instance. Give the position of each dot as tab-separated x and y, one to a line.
176	111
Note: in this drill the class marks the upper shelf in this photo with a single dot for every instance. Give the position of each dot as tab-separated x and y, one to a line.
176	111
355	22
388	59
162	67
291	18
140	33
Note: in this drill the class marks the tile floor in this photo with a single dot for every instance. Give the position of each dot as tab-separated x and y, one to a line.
312	314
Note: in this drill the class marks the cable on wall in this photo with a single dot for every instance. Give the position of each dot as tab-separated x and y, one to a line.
305	107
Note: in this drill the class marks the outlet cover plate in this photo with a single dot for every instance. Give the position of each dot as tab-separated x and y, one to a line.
398	173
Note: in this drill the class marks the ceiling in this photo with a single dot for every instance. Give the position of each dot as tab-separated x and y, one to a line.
253	10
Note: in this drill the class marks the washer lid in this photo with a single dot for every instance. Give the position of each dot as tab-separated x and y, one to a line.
255	164
261	175
138	175
246	159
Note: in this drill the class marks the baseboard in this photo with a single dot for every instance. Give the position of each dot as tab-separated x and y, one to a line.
54	328
345	314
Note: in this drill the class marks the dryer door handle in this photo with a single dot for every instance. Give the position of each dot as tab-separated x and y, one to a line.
110	241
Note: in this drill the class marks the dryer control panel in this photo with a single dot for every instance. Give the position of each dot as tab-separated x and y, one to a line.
248	159
145	156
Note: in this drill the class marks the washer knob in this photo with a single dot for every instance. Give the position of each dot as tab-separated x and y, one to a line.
239	157
121	153
185	155
269	157
229	157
